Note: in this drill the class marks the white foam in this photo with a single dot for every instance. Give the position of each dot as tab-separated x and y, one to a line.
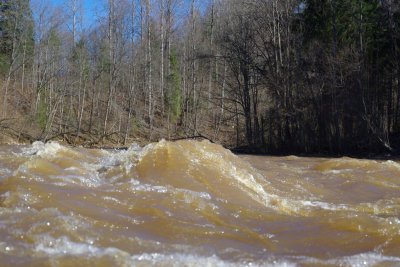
81	175
391	163
135	148
49	149
64	246
324	205
178	259
137	186
365	259
90	180
150	188
32	149
42	149
126	159
368	259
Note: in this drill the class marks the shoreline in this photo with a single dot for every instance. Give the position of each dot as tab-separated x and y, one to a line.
10	139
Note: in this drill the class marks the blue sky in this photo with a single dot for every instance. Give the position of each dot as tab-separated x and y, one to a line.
92	9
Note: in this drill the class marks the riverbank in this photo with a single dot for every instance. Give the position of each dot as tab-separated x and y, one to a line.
322	154
13	135
6	139
20	132
13	131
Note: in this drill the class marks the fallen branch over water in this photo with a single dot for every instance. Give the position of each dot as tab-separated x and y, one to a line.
199	136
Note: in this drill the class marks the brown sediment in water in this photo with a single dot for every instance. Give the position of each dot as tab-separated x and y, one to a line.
194	203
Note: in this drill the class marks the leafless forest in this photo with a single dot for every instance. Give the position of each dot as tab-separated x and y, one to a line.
270	76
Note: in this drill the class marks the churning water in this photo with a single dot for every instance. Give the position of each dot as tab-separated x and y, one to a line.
191	203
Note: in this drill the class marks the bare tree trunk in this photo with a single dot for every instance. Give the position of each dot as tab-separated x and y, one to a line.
168	31
162	56
185	90
212	54
5	89
142	23
275	33
222	103
168	34
149	69
131	94
111	31
82	105
74	14
193	71
23	68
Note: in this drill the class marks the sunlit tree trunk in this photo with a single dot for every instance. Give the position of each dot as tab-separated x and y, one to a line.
149	69
193	71
111	32
132	85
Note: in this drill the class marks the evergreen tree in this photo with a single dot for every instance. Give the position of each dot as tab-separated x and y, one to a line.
16	31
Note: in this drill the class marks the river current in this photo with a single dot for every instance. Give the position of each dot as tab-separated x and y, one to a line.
191	203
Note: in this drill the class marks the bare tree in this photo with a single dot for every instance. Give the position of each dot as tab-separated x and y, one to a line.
111	51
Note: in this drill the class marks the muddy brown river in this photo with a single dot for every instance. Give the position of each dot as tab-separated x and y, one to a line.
191	203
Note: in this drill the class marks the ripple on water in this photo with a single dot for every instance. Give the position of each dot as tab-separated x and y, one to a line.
190	203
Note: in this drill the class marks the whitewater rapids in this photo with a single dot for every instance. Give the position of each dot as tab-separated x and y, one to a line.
191	203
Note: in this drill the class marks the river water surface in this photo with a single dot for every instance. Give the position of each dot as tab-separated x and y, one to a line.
191	203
